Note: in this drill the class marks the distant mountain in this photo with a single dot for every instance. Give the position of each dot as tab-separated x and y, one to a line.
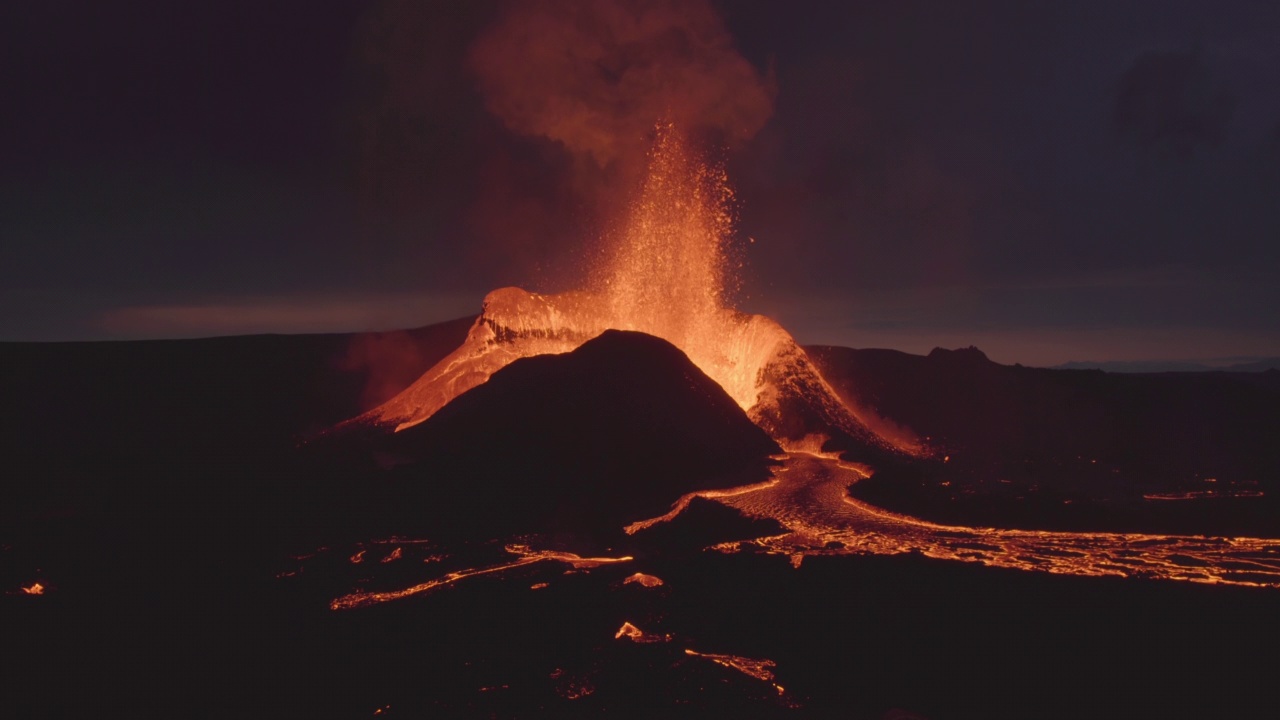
1161	366
1075	449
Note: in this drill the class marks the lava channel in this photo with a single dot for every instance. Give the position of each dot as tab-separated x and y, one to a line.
808	497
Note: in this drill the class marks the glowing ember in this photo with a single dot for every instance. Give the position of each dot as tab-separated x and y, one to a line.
1204	494
665	277
571	687
34	589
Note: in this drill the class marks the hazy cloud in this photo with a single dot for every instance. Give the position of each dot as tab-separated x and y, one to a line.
596	76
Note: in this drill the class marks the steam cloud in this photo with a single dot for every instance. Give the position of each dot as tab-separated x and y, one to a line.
596	76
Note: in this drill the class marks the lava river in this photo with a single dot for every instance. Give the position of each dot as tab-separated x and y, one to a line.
667	274
808	497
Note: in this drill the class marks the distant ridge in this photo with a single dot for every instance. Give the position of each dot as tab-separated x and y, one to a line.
1159	366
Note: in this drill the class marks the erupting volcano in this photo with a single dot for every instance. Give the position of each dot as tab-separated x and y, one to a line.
666	274
616	492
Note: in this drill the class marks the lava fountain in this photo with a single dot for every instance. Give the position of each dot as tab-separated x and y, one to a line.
666	275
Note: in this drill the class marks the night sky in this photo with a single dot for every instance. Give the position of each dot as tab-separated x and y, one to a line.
1047	181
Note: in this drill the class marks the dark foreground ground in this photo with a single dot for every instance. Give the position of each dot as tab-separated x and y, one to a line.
155	491
852	637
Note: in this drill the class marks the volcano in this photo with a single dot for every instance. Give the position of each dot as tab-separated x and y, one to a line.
188	561
625	498
589	440
664	277
558	422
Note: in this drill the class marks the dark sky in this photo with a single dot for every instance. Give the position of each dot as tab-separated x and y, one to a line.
1048	181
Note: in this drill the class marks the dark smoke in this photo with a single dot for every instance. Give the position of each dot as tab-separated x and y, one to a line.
512	131
596	76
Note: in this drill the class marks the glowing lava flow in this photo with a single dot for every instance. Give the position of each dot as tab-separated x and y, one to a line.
635	634
807	496
643	580
758	669
524	556
665	277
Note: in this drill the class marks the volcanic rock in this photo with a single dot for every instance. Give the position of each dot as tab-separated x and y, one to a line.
1067	449
612	432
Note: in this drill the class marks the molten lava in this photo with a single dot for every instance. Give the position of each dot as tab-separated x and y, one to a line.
808	496
524	556
758	669
635	634
643	580
666	276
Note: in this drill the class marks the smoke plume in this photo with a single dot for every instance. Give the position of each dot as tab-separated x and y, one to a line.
596	76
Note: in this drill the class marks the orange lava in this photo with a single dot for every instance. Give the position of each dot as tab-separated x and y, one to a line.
643	580
665	276
758	669
635	634
1204	495
524	556
684	501
808	497
570	686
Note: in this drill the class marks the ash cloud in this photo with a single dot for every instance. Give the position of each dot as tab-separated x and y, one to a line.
596	76
388	361
1170	100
